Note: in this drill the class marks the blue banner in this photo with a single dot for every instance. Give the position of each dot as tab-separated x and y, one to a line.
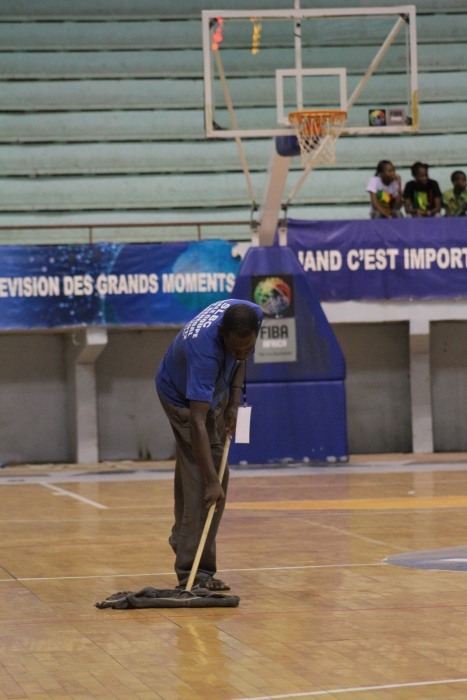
111	284
384	258
164	284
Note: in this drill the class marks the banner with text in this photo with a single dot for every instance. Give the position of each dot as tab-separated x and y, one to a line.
383	259
113	284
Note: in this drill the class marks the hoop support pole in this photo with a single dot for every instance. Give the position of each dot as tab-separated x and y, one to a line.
413	67
233	121
376	61
298	57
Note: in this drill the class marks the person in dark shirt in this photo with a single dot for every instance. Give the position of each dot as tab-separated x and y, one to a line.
422	196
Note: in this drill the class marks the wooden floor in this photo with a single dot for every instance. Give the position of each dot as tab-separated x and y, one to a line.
321	613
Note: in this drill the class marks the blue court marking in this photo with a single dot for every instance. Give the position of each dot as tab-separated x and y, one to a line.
446	559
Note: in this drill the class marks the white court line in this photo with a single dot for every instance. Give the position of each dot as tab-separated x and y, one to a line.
62	492
362	689
346	533
171	573
303	566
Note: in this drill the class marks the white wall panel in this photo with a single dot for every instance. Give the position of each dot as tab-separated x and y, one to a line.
449	385
33	414
132	424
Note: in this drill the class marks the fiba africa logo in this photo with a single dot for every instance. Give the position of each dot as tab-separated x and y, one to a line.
273	295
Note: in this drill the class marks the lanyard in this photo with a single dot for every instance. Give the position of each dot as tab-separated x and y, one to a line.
244	390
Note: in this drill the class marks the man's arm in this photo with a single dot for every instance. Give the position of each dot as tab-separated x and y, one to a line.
437	199
235	398
398	198
446	204
408	206
201	447
437	206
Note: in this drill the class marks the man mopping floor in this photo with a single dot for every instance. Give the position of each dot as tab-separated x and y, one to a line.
199	383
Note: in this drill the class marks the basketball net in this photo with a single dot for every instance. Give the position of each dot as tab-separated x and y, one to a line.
317	134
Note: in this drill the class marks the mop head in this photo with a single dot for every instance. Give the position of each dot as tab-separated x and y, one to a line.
172	598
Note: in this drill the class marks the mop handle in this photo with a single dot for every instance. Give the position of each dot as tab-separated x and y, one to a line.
207	524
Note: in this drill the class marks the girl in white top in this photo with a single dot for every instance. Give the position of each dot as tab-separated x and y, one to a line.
385	190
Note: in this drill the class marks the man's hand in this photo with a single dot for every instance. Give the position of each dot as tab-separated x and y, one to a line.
213	494
230	417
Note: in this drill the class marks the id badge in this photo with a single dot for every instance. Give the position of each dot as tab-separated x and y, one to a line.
242	431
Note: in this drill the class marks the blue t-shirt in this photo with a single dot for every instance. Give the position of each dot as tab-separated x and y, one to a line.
197	366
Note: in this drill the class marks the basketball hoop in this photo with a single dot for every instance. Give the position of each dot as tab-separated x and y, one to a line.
316	133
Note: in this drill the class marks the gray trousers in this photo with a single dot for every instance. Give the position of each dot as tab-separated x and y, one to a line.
190	512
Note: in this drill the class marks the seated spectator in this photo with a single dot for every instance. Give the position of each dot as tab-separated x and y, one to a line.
385	192
455	200
422	196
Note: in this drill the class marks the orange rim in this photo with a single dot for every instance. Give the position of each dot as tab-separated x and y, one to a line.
312	121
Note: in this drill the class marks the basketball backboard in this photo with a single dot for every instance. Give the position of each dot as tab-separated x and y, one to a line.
261	65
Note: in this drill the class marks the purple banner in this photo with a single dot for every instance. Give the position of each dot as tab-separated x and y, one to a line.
383	259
